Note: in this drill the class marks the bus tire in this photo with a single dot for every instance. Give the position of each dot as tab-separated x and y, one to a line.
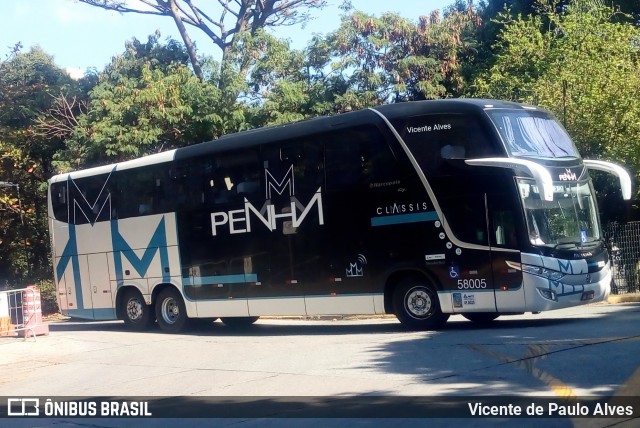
238	322
171	312
481	318
137	315
416	305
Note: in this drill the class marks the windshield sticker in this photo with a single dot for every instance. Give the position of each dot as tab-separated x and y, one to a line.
457	300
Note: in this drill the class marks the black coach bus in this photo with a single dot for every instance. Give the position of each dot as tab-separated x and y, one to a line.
419	209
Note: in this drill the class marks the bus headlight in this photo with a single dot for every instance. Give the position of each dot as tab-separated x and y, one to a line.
551	274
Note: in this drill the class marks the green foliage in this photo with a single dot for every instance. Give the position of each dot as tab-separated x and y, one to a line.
48	296
583	65
392	59
367	61
146	101
28	85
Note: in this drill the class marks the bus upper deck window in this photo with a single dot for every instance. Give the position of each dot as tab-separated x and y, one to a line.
452	152
62	195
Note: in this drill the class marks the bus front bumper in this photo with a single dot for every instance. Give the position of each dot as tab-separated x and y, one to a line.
543	294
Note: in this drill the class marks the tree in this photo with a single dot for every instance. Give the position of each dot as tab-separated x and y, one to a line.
392	59
146	101
367	61
234	19
583	64
29	83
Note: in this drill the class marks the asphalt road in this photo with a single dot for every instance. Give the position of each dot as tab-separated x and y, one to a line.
591	351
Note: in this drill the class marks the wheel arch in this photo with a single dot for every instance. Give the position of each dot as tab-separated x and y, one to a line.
157	289
397	276
189	304
119	301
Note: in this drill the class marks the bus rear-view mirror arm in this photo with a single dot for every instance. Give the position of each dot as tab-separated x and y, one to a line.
538	172
617	170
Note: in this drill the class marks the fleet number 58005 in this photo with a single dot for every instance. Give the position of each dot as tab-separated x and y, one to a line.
467	284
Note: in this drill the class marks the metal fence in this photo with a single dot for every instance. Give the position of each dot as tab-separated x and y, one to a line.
21	313
624	249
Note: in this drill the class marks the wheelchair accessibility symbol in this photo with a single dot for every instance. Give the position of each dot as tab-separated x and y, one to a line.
454	271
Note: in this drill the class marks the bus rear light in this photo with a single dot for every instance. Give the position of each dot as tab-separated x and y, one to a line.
504	287
588	295
548	294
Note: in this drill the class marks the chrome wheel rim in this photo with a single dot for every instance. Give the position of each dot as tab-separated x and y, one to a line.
170	310
418	302
134	309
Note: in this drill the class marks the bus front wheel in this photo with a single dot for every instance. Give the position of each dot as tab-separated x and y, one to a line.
171	312
417	306
136	313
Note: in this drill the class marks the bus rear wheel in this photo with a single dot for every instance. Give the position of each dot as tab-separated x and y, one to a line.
136	313
238	322
481	318
417	306
171	312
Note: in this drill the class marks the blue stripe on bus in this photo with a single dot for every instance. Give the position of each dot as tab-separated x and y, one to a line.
220	279
404	218
98	314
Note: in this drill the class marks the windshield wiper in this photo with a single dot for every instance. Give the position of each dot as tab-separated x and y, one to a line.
589	244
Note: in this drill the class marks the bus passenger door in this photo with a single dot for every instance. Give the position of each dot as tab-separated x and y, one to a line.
100	287
469	271
504	237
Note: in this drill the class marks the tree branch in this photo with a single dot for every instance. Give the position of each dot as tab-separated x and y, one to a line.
61	119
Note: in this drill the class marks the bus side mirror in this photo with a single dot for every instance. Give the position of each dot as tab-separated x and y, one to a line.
612	168
538	172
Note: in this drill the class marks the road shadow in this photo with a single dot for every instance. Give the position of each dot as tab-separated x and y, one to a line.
273	326
594	352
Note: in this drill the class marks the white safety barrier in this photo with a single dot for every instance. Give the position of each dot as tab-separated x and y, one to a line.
21	313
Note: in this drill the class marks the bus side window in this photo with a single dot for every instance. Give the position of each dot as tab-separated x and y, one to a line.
357	157
140	192
230	177
504	229
59	201
189	185
440	141
90	199
466	216
294	166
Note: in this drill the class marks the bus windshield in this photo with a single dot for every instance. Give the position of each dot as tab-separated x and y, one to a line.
531	133
571	218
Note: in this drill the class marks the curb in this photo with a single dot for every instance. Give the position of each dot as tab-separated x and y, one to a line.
624	298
